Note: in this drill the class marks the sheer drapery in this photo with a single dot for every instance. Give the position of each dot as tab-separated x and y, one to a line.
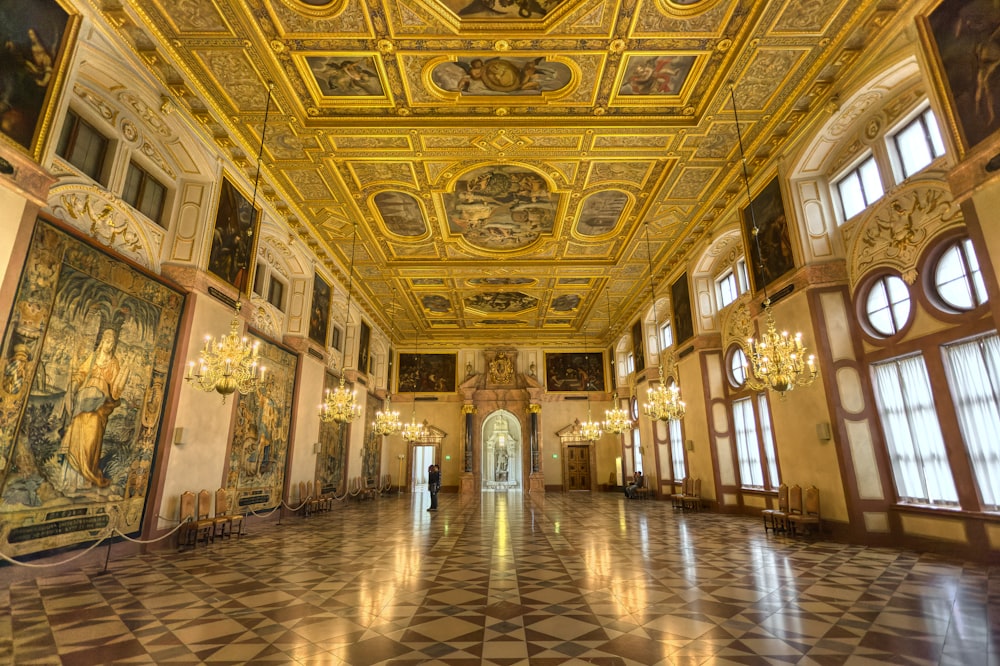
974	376
770	455
747	445
676	449
916	447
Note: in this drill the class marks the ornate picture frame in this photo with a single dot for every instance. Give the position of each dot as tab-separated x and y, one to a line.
574	371
427	373
234	237
768	210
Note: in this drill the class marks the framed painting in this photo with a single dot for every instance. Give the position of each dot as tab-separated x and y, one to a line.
33	62
84	368
962	34
319	314
775	258
427	373
680	298
259	449
574	371
234	238
638	349
364	339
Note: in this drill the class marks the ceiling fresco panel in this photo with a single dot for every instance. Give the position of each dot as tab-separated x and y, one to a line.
344	79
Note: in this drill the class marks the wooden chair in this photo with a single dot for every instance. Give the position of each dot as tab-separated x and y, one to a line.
775	519
230	520
809	515
643	492
323	502
370	489
692	497
305	501
203	526
677	498
794	504
186	534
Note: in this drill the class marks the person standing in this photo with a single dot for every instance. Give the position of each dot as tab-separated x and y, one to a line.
434	485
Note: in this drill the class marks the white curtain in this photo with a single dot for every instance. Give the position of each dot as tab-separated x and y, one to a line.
909	420
974	376
747	446
676	450
770	454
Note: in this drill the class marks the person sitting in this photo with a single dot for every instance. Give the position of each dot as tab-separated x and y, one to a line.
637	482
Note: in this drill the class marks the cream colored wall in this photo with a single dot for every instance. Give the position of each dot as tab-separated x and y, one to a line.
302	465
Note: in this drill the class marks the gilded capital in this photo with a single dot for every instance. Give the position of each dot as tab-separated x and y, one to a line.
468	409
534	408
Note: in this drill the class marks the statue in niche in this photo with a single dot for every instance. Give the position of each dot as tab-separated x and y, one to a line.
502	442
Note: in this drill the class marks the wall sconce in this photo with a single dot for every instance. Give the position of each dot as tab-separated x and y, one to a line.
178	436
823	432
690	445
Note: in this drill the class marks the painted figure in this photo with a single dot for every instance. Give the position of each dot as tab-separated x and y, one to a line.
94	392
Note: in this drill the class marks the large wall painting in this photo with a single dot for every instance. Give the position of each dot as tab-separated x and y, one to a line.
364	340
501	207
260	438
427	373
638	353
371	454
507	76
234	237
965	33
36	46
319	316
574	371
775	244
655	74
600	212
331	463
400	213
85	362
680	299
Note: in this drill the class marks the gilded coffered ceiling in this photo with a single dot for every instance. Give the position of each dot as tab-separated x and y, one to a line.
500	156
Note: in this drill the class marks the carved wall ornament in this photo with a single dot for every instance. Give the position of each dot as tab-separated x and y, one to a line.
895	233
737	325
501	369
145	113
107	111
110	221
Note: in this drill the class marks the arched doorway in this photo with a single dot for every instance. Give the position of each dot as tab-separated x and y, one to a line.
501	454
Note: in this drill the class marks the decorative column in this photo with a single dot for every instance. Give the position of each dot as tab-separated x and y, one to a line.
467	479
536	480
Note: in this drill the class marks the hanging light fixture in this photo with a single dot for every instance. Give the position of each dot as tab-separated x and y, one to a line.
232	362
590	429
414	431
386	420
778	361
341	405
664	400
616	419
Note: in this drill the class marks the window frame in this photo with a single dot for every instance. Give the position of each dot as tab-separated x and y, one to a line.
920	117
145	178
882	280
855	171
66	147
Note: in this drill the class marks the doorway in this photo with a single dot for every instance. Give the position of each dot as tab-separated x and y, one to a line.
423	457
577	467
501	453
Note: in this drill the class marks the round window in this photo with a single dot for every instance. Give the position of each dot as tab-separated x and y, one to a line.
888	305
738	367
957	278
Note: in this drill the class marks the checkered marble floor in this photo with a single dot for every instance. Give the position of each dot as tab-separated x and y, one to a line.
501	578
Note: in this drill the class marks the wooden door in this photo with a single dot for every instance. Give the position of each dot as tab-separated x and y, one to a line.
578	467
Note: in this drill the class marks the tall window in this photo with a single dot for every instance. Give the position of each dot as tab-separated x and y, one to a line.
974	377
859	188
747	444
726	288
766	434
636	442
666	335
676	450
82	146
918	144
144	193
630	363
276	293
909	421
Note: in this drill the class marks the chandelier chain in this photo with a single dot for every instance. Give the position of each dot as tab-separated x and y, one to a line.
341	405
616	419
665	402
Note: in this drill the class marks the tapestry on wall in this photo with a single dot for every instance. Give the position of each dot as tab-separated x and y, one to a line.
332	459
85	362
372	453
260	439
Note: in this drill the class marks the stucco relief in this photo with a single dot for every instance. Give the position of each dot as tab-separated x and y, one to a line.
109	221
896	231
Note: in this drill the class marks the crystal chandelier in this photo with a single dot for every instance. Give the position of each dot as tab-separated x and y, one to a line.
341	405
778	361
414	431
664	401
227	365
616	419
386	420
231	363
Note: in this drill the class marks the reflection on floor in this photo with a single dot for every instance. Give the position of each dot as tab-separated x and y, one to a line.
504	579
